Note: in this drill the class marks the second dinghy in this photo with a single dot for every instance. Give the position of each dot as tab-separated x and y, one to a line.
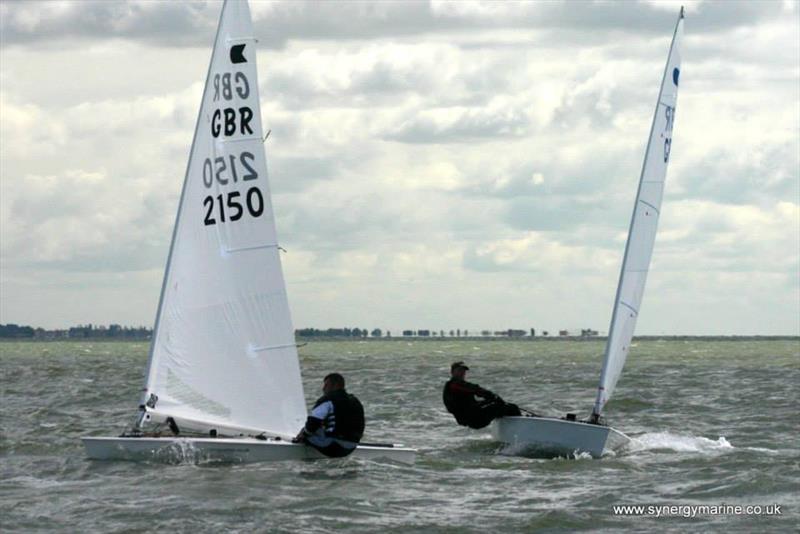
545	436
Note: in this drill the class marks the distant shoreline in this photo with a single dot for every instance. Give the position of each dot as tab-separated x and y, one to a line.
558	338
115	332
304	340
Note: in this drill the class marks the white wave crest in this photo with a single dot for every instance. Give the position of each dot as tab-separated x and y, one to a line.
678	443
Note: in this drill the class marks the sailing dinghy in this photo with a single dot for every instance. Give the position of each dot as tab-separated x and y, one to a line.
223	379
551	436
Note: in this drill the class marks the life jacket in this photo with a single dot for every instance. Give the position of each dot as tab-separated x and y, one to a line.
347	420
459	398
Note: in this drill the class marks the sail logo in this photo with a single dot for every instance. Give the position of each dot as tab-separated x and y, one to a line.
237	54
676	73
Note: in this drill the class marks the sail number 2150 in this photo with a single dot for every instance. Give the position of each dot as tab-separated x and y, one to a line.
231	205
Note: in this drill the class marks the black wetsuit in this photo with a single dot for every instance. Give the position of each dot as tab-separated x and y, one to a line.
459	399
340	426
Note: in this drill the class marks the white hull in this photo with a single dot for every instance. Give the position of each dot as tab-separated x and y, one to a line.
236	450
552	437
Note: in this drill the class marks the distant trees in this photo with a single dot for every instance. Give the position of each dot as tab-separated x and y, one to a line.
336	332
112	331
14	330
116	331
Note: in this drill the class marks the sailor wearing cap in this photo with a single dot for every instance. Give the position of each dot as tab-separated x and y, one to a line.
459	398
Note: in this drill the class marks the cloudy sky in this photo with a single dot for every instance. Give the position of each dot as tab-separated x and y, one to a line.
433	164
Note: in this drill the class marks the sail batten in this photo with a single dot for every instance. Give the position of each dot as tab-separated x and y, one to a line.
254	247
239	140
643	226
223	290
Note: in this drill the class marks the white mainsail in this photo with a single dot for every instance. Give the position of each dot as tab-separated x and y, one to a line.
223	352
642	232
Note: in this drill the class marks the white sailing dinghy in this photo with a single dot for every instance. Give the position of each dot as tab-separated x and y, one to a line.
223	378
550	436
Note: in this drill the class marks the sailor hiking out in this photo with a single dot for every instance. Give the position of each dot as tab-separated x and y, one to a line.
459	398
336	422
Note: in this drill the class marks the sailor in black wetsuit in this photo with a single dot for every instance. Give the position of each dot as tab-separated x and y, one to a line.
336	422
459	399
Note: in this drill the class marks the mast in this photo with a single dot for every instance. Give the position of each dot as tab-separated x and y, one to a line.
642	228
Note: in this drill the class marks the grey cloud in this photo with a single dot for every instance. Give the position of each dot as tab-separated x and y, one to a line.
140	243
601	170
190	23
328	227
291	174
377	85
161	23
473	260
598	107
330	220
396	77
77	226
578	202
469	125
385	77
734	175
120	257
709	248
554	213
535	254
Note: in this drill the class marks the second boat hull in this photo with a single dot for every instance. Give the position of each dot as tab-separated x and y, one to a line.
549	437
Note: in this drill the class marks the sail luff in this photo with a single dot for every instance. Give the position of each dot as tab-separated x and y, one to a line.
165	279
620	331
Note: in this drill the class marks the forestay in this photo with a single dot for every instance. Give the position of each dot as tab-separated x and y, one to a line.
644	223
223	351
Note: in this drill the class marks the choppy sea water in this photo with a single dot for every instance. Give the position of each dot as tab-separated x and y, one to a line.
715	422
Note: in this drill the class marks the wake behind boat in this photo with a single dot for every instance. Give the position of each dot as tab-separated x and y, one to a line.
543	436
223	377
